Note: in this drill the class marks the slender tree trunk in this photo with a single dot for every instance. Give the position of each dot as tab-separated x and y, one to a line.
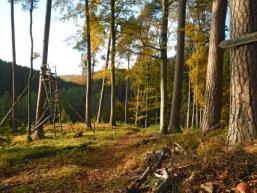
146	97
126	95
213	91
243	110
30	71
178	79
193	113
113	32
163	67
196	115
101	100
188	103
89	76
39	134
137	106
14	92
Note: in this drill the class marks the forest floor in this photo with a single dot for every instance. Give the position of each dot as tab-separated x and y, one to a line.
110	158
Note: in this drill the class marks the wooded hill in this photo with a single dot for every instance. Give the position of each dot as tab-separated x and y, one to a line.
72	92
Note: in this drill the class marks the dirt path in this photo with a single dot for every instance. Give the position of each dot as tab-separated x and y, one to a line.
107	172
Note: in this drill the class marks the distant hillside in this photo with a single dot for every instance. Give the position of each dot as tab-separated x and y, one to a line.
76	79
22	77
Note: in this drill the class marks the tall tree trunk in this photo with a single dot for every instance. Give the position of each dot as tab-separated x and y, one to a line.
178	79
188	103
193	112
146	97
39	134
243	110
113	32
14	92
101	100
196	115
213	91
137	106
30	71
89	76
126	95
163	67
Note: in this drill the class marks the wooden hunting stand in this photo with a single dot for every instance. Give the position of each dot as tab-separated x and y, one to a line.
52	105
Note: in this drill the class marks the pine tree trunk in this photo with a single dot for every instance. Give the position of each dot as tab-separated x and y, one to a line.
243	110
101	100
14	92
113	32
213	92
163	67
178	79
137	106
89	68
188	103
126	95
30	72
39	134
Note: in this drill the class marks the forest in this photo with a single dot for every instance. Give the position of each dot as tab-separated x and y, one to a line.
172	108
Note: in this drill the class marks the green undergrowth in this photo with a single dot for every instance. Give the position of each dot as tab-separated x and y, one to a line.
54	163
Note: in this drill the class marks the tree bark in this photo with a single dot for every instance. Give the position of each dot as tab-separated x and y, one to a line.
39	134
89	76
137	106
14	91
243	109
101	100
213	91
30	71
126	95
113	32
188	103
163	67
193	112
178	79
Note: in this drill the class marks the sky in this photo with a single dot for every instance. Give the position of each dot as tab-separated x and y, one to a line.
60	54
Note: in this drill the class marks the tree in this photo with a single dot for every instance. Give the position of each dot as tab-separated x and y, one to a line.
213	92
178	78
243	109
41	90
113	34
89	78
14	92
30	71
163	67
101	100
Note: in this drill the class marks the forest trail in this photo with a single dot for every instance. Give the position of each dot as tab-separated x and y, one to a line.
95	162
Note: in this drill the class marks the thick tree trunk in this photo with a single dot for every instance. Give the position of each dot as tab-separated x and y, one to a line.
243	110
213	91
196	115
14	92
30	72
113	32
101	100
178	79
126	94
89	76
39	134
188	103
163	69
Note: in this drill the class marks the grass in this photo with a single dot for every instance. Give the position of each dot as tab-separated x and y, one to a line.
95	162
